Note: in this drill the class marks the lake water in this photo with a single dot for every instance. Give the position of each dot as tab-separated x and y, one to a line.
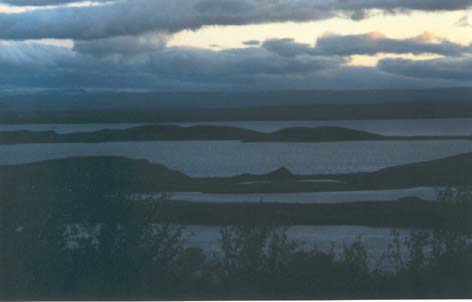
67	128
224	158
425	193
461	126
209	237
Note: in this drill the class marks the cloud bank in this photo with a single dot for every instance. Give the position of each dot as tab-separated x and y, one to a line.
132	17
147	62
123	44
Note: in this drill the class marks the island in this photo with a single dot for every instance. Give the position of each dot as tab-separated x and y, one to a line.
207	133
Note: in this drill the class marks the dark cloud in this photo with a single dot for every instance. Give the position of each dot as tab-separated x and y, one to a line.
175	68
287	47
236	62
121	45
25	56
44	2
170	67
426	5
145	61
239	5
463	22
458	69
131	17
366	44
252	43
373	43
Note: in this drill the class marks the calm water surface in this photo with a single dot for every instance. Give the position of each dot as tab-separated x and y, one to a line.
66	128
425	193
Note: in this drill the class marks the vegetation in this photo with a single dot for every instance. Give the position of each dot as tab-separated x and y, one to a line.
126	257
256	262
408	212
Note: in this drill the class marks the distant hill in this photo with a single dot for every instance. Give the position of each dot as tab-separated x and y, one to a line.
414	110
65	100
87	107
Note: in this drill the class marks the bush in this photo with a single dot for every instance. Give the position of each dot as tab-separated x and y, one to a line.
123	259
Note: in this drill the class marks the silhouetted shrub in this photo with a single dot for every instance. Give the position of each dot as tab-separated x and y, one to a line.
126	257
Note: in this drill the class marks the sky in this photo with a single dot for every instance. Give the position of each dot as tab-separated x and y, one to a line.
234	45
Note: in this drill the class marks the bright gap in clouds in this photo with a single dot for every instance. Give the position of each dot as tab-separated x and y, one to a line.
54	42
393	26
431	25
371	61
10	9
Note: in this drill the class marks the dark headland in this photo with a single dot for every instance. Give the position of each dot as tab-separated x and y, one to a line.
97	189
110	175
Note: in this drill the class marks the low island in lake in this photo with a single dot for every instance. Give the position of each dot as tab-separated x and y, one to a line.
208	133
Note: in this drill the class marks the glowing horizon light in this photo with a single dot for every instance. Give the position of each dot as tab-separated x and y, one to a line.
432	26
372	60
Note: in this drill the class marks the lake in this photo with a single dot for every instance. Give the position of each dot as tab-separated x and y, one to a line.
460	126
425	193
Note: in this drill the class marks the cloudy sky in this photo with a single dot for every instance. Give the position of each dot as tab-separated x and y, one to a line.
227	45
